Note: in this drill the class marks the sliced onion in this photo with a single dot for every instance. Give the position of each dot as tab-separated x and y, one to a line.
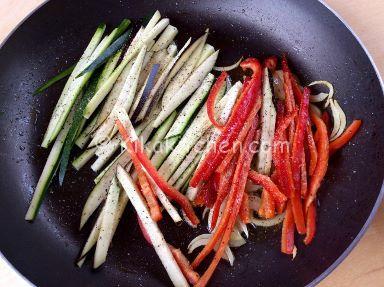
336	119
318	98
254	202
236	239
315	109
202	240
343	120
268	222
242	227
329	95
294	253
206	210
191	193
228	68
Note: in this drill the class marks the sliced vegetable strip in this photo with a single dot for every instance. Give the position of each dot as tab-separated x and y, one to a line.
267	207
162	184
215	91
288	90
312	150
244	209
232	209
345	137
311	224
146	188
298	141
224	187
288	232
284	172
322	162
267	184
233	204
250	93
239	141
191	275
54	80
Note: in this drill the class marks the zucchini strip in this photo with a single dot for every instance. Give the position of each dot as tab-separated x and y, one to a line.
188	172
112	86
165	38
54	80
124	100
71	90
111	50
49	171
186	70
78	83
159	86
197	149
132	51
153	231
190	108
190	85
106	230
82	160
160	134
171	210
268	120
161	154
86	134
198	127
99	192
208	50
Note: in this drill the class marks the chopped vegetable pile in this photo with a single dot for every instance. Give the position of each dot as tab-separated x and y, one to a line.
169	137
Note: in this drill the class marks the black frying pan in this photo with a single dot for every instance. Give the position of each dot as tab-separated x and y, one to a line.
319	45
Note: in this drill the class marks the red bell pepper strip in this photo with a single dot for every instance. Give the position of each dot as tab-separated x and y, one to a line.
322	161
237	190
234	199
311	224
224	187
298	140
327	120
267	207
254	65
304	179
312	150
288	91
201	194
232	128
239	141
288	232
244	212
207	193
170	191
267	184
345	137
271	63
146	188
220	82
282	163
185	267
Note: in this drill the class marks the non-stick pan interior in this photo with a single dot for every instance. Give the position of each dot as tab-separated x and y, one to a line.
319	47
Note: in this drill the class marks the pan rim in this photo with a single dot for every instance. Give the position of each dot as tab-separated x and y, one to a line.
374	210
